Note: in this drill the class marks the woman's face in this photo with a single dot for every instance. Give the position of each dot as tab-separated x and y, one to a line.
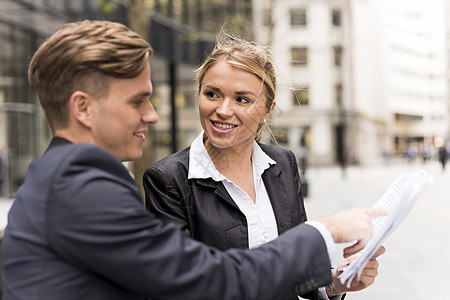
232	104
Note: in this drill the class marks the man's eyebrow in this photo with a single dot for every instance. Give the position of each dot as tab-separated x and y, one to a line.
140	95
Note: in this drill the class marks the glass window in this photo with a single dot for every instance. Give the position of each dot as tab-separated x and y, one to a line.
337	50
300	97
281	136
19	116
298	17
336	17
185	99
408	118
267	19
338	94
299	55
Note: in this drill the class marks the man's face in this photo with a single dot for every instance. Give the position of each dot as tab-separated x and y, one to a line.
122	116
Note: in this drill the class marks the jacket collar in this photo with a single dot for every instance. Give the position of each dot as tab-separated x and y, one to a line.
278	197
203	170
201	166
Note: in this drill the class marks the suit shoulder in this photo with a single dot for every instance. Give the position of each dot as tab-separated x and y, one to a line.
90	156
82	152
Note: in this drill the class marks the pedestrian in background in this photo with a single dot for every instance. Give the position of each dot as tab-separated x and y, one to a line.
443	155
227	189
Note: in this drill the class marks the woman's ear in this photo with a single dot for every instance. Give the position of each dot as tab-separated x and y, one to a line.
80	107
270	109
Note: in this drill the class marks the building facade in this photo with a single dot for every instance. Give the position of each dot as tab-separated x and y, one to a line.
358	79
416	62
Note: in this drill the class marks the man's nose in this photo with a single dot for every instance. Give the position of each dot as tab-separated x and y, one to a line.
150	115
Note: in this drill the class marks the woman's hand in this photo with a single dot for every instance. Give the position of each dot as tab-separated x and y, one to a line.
367	276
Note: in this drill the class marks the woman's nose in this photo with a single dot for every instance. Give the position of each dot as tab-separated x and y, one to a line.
225	108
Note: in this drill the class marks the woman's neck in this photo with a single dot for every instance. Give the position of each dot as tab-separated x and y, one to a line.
230	160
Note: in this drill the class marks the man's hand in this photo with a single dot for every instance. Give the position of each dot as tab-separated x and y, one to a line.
353	225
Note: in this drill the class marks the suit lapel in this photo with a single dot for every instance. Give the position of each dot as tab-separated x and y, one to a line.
278	198
275	189
218	189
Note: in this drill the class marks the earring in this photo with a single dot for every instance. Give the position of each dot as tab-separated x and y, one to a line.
265	121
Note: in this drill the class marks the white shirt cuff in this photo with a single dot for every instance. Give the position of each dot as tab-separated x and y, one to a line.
329	242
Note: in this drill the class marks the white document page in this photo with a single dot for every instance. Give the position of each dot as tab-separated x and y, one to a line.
399	198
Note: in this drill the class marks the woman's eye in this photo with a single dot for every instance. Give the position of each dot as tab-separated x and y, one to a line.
210	94
242	100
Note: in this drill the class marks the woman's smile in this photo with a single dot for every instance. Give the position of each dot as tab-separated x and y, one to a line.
222	127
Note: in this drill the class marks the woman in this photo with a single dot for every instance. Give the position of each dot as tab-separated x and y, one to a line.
228	190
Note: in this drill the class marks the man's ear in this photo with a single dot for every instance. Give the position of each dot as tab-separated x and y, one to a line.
81	107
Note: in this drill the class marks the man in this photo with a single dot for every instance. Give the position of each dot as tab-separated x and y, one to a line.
78	228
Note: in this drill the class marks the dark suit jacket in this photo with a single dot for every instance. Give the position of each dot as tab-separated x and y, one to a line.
203	207
78	230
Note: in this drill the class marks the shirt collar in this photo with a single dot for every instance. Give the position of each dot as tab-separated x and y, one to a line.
202	167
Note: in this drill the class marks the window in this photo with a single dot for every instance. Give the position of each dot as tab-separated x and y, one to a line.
336	17
337	50
267	19
298	17
300	97
185	98
408	118
299	55
281	136
338	95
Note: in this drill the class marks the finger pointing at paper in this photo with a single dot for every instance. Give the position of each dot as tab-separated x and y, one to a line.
353	225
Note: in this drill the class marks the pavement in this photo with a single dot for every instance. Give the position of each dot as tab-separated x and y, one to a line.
417	259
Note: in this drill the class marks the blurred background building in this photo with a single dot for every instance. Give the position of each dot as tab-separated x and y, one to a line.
358	79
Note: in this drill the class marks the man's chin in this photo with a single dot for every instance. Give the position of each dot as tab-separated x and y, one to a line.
131	157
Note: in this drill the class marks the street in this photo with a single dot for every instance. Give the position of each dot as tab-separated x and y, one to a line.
416	263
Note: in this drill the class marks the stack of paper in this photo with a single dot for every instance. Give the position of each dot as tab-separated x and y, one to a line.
400	197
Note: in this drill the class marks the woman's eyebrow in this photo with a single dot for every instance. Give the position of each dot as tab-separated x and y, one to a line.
239	93
244	93
211	87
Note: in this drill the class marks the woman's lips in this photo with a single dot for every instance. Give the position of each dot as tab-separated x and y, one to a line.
221	127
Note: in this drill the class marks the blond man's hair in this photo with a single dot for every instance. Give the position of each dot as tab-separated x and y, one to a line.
84	56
